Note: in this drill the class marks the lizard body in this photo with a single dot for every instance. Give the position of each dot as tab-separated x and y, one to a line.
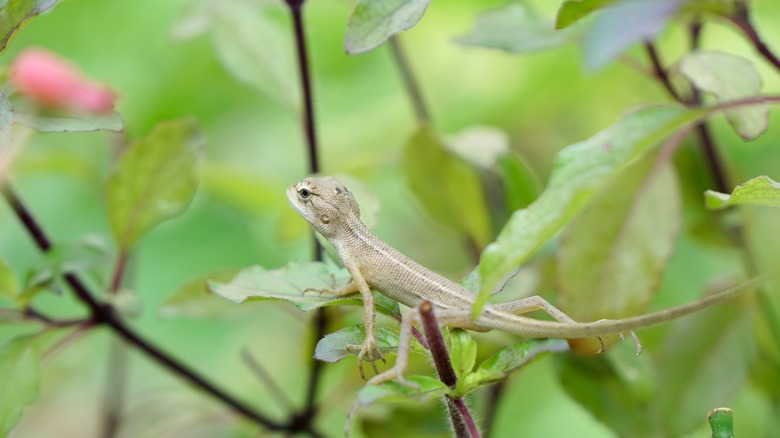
333	212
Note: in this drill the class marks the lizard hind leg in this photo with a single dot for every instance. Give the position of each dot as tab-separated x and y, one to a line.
534	303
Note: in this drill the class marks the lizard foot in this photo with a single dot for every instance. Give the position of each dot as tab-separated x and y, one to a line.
370	351
631	333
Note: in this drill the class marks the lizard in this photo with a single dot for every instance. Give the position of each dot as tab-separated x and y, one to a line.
331	209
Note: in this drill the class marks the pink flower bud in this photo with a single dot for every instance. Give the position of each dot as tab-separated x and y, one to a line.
54	82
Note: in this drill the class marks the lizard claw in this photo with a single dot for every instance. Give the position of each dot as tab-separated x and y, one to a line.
370	351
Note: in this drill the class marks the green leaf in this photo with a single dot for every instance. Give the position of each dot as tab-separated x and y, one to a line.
19	363
521	186
760	190
728	77
508	359
297	283
721	422
338	345
624	24
155	179
516	29
462	352
13	13
254	48
705	360
372	22
613	397
427	388
61	259
614	252
579	171
447	187
195	300
8	286
111	121
572	11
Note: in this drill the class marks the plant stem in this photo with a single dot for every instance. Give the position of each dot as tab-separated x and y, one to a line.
420	109
118	363
102	314
743	21
494	396
460	416
305	418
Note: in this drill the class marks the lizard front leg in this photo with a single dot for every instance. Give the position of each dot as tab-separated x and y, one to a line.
370	347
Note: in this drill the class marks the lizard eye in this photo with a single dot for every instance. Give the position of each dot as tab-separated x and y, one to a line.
304	193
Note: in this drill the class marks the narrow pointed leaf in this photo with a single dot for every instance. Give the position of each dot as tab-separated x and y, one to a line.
8	285
372	22
462	352
728	77
299	284
757	191
194	299
155	179
579	171
14	13
614	252
508	359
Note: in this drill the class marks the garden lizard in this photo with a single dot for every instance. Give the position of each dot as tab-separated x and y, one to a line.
332	211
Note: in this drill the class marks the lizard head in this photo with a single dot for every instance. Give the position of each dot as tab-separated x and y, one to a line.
324	202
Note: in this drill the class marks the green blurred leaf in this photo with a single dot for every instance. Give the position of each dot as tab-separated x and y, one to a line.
64	258
705	360
516	29
579	171
612	397
13	13
722	422
728	77
338	345
481	146
195	300
462	352
614	252
760	190
8	285
624	24
372	22
254	48
297	283
573	11
74	123
427	388
521	186
447	187
508	359
155	179
19	363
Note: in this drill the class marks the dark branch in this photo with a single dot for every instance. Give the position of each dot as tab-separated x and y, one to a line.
744	22
102	314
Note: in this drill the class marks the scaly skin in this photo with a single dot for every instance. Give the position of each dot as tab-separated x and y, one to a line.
333	212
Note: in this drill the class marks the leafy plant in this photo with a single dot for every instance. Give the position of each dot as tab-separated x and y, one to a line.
642	215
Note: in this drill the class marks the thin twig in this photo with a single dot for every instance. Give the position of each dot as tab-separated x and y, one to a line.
660	72
265	378
744	22
305	418
412	88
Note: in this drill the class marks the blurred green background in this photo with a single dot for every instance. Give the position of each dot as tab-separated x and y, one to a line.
240	216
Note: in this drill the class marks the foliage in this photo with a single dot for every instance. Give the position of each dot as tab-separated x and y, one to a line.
562	168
